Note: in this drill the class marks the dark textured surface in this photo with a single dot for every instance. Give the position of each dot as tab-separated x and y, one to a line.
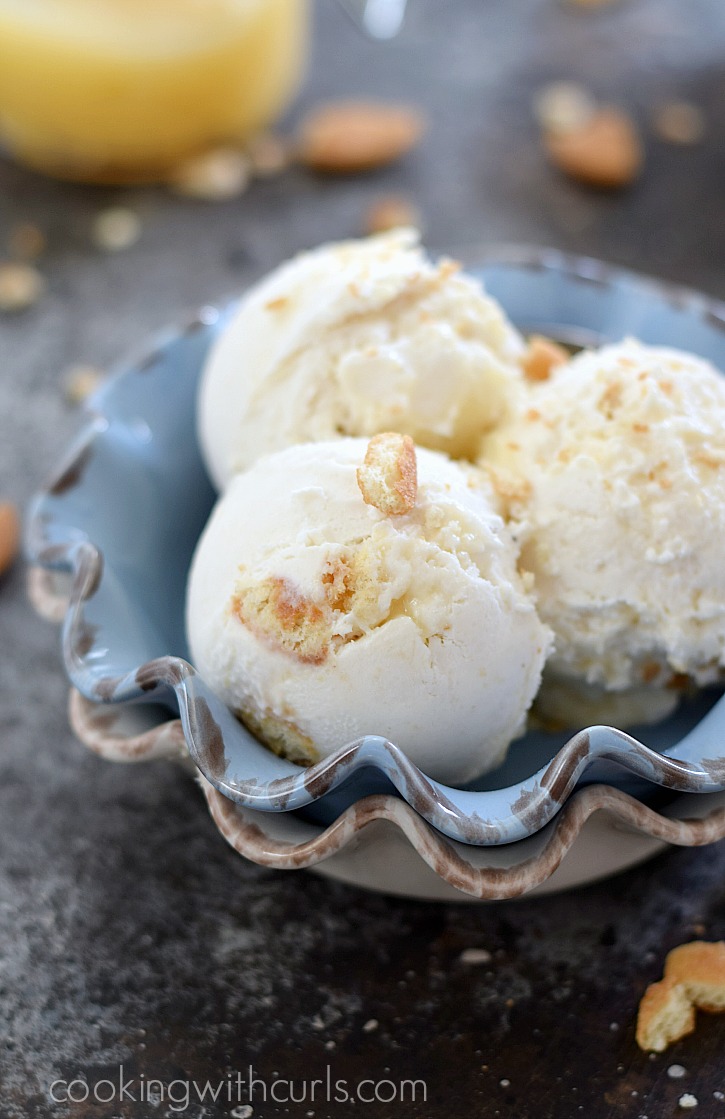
129	933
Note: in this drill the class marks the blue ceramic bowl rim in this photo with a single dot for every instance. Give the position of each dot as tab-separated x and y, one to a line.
244	771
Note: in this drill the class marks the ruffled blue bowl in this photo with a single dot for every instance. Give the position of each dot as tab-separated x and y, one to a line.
123	513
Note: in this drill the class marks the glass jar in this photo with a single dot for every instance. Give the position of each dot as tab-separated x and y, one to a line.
125	90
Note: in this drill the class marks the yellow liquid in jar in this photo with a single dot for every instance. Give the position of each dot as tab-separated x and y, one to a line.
124	90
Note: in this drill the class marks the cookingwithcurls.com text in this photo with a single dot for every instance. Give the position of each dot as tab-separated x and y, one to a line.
238	1088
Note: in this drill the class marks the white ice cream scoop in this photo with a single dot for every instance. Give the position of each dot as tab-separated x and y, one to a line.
615	475
353	339
344	589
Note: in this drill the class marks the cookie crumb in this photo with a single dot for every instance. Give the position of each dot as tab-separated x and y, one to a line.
473	956
21	286
392	211
604	152
216	176
700	968
9	535
563	106
281	615
116	229
26	241
694	977
347	137
388	478
79	381
666	1014
268	154
541	357
680	122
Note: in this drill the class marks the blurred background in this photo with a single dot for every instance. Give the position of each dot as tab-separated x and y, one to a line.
479	174
487	150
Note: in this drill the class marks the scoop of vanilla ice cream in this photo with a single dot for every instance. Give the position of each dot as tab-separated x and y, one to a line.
614	474
352	339
319	618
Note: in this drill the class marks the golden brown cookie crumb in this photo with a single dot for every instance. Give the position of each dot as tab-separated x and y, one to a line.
356	589
281	303
511	487
79	381
700	968
388	478
604	152
21	286
563	106
344	137
665	1015
214	176
268	154
277	611
679	122
27	241
541	356
650	671
281	736
392	211
116	229
694	977
9	535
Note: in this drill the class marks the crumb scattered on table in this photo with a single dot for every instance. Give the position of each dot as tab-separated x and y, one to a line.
21	286
26	242
604	152
347	137
9	535
694	977
473	956
679	122
215	176
79	381
116	229
563	106
268	154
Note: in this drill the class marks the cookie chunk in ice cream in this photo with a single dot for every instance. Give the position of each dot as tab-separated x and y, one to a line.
353	587
614	473
357	338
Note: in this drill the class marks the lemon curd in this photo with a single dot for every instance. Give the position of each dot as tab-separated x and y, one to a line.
123	90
